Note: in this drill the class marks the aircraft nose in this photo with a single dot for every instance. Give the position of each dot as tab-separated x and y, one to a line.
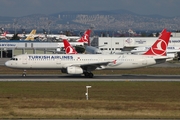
7	63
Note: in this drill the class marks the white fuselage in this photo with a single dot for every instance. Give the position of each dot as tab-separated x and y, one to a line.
62	61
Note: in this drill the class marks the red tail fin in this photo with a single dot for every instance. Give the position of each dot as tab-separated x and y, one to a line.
85	37
160	46
68	48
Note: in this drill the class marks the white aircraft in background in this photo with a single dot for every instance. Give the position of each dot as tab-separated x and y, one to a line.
69	49
171	51
85	37
3	36
6	35
86	63
31	35
60	37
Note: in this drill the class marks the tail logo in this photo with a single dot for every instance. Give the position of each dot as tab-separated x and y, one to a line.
69	50
85	38
160	48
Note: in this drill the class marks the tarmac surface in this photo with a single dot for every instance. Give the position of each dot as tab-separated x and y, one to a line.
96	78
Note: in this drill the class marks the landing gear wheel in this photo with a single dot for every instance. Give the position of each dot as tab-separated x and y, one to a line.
23	75
88	75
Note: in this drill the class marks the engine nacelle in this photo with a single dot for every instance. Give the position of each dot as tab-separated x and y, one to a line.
74	70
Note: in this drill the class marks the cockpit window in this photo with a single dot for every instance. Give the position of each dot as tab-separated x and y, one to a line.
14	59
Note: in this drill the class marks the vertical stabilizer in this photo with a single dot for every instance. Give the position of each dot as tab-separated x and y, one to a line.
86	37
31	35
160	46
68	48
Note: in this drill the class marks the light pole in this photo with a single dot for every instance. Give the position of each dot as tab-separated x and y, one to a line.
14	25
49	26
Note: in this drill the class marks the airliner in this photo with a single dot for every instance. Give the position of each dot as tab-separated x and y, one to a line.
31	35
85	37
86	63
3	36
171	50
60	37
69	49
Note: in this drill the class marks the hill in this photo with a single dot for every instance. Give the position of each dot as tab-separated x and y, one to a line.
99	20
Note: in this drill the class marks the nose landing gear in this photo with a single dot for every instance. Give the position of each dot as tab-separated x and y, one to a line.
24	73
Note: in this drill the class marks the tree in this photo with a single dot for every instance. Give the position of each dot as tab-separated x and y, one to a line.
15	37
157	34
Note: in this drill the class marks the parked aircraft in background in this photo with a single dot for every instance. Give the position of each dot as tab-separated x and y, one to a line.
6	36
31	35
86	63
3	36
85	37
69	49
60	37
171	50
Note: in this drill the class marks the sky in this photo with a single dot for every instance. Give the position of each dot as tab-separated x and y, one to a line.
12	8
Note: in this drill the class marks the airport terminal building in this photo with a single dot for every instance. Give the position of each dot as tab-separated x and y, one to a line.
10	48
116	44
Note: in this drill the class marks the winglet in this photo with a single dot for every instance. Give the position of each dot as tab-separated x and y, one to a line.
85	38
160	46
68	48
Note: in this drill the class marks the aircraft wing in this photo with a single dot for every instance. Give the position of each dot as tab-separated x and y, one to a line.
91	66
161	59
95	64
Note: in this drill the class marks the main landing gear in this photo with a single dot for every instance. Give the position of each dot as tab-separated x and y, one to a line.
88	74
24	73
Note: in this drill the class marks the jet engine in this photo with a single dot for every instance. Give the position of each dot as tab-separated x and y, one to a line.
74	70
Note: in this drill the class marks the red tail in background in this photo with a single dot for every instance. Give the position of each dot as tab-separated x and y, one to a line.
4	34
160	46
85	37
68	48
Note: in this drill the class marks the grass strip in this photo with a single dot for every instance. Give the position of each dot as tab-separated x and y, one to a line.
106	100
